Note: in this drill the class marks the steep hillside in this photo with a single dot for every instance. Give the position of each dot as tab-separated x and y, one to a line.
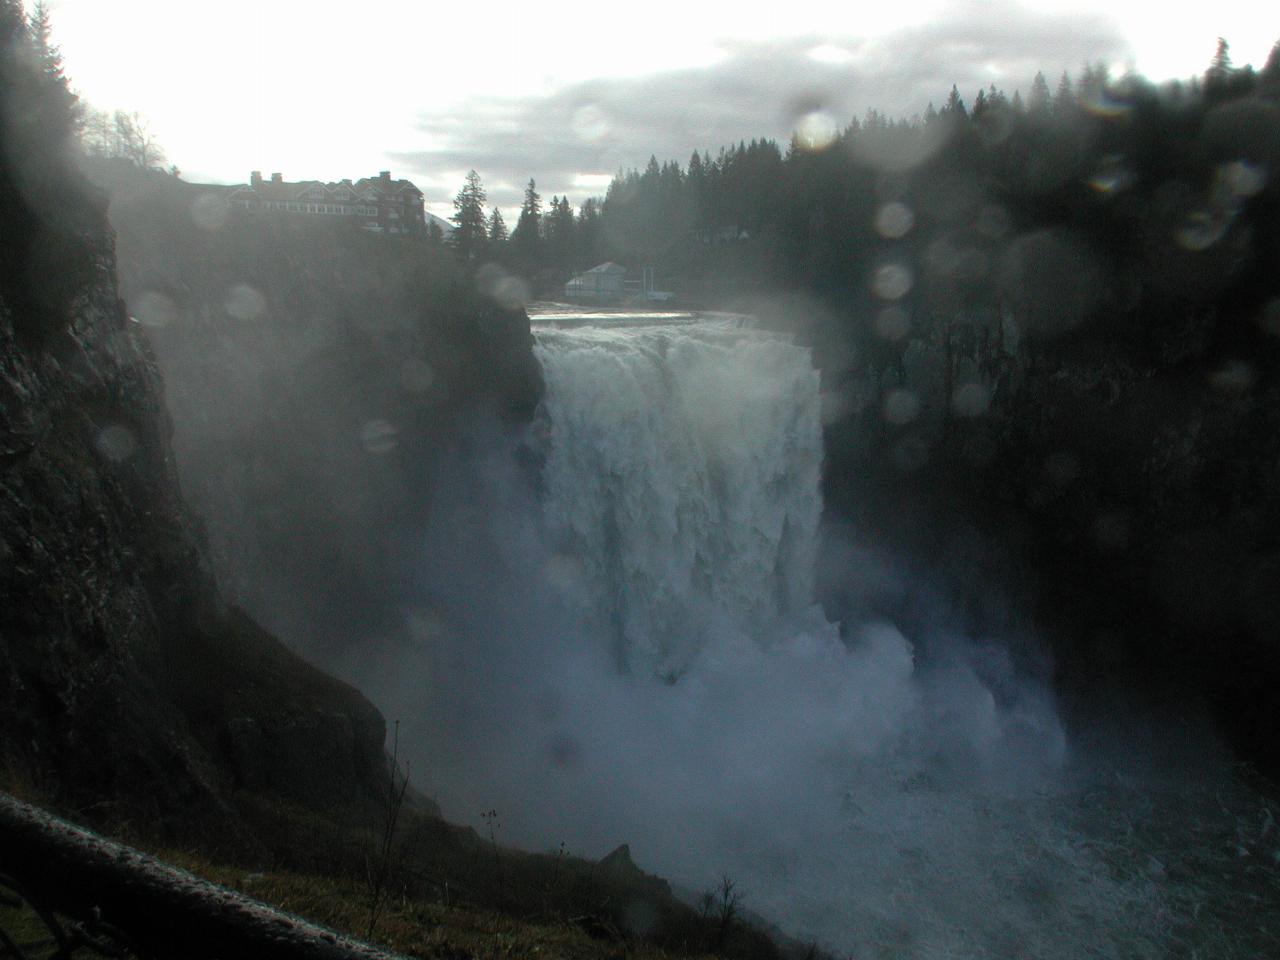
321	380
127	688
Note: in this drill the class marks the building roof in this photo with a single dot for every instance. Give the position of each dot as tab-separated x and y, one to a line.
607	267
367	189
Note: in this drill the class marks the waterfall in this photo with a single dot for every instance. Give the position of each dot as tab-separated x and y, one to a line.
682	474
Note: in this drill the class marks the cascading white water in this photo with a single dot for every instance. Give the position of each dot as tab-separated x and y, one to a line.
879	804
683	480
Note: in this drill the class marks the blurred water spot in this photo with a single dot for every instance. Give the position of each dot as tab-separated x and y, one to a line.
154	309
1101	102
894	220
378	436
980	450
1052	282
563	571
424	626
836	405
892	281
971	400
910	454
416	376
1202	229
830	53
640	917
1270	318
992	221
564	750
1235	376
1062	468
816	130
507	289
943	258
589	123
901	406
209	211
116	442
1242	178
1111	176
1111	531
994	126
893	323
245	303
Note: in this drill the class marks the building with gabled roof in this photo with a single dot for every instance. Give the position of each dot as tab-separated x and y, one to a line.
603	282
379	203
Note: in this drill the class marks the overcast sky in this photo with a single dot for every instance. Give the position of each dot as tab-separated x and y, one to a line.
568	92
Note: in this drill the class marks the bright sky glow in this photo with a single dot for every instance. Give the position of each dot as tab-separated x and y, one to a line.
324	90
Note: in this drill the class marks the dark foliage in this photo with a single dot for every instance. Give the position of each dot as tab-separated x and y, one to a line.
55	239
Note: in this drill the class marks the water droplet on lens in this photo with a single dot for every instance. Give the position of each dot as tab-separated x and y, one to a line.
1111	531
1110	177
992	221
378	436
1062	468
971	400
1203	229
589	123
116	442
209	211
1270	318
893	323
1242	178
416	376
245	303
563	571
1235	376
894	220
910	454
816	130
830	53
154	309
892	281
507	289
901	406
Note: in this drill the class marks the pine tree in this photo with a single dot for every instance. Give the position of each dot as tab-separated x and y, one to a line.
62	102
471	236
497	227
954	107
1064	101
1038	101
526	240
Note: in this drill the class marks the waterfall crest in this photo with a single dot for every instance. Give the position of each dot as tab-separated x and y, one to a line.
682	472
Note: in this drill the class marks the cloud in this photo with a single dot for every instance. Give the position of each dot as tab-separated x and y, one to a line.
755	89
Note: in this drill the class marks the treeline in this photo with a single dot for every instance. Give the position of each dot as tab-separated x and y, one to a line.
1127	162
55	237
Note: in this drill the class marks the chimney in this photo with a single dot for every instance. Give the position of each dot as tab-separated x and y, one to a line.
255	178
277	178
385	176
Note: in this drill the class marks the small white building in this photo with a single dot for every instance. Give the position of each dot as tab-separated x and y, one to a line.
603	282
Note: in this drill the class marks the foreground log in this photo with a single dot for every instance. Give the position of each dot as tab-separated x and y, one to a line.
165	911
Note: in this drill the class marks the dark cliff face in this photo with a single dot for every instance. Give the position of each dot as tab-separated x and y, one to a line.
322	380
126	687
1118	491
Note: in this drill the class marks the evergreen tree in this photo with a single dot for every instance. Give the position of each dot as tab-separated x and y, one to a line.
1064	101
471	236
558	230
954	107
497	227
1038	101
526	240
587	233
